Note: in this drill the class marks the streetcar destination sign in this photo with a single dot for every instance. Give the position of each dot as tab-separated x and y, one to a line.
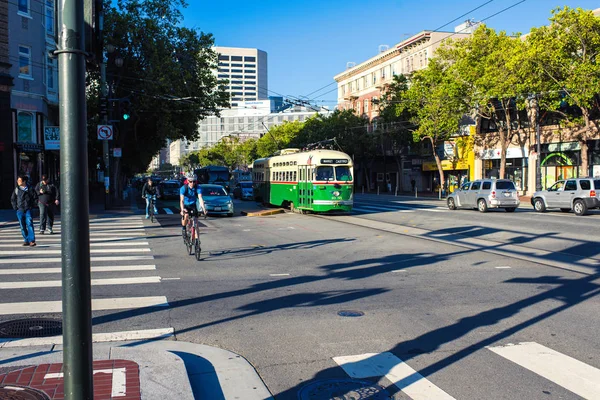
334	161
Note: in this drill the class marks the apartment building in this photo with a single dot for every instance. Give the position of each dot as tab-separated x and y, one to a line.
29	87
360	86
246	71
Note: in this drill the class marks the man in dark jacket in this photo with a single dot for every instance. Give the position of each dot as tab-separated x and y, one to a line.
47	199
23	199
150	191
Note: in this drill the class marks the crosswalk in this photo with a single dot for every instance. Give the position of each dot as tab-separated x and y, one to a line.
563	370
121	263
394	206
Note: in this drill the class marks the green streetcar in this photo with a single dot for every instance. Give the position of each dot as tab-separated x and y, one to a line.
315	180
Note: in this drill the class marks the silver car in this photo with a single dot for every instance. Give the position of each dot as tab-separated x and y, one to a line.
484	194
577	194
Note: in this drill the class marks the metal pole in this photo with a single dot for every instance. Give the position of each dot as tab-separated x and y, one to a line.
105	148
75	234
538	167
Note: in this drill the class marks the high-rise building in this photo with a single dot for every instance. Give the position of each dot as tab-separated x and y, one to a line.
246	71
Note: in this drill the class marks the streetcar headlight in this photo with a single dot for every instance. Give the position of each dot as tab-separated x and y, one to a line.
336	193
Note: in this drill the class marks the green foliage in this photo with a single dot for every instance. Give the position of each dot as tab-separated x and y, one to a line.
278	137
167	76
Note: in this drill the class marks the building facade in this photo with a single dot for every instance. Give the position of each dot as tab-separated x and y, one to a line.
7	167
28	34
246	71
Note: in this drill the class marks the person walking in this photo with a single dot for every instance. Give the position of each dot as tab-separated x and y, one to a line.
23	200
47	198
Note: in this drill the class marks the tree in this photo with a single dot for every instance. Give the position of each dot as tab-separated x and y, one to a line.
491	67
277	138
565	60
166	77
435	101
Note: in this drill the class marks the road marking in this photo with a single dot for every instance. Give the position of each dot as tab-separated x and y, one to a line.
114	234
57	238
432	209
95	282
279	274
108	268
377	208
397	371
43	307
48	252
574	375
120	244
96	338
504	267
170	279
14	260
399	270
168	210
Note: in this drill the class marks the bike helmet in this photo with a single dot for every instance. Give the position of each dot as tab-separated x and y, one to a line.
192	178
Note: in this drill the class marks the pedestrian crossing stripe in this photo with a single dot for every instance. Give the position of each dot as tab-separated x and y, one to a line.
58	259
94	240
39	245
47	307
95	282
58	270
45	251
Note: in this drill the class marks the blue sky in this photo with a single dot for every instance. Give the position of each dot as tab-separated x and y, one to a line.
308	42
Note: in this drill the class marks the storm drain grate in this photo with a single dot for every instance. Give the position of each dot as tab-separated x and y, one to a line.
343	389
350	313
21	393
31	328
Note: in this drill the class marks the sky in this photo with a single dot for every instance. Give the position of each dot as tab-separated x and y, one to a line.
309	42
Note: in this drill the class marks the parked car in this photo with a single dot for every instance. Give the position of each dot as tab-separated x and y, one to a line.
484	194
216	200
577	194
243	190
169	189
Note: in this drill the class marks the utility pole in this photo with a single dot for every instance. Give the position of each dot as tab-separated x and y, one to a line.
75	232
538	167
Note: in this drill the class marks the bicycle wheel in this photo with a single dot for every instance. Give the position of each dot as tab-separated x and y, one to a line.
151	213
190	244
197	249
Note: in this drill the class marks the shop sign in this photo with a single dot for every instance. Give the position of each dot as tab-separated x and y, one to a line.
569	146
511	152
52	137
29	147
447	165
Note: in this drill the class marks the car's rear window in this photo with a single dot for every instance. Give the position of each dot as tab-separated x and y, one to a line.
171	185
597	184
585	185
246	185
503	185
487	185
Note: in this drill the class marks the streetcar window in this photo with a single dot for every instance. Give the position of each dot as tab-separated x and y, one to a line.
294	176
324	173
343	174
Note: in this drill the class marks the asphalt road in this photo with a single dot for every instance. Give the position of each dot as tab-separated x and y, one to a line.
440	294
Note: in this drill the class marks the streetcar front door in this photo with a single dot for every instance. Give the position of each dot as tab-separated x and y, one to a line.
304	186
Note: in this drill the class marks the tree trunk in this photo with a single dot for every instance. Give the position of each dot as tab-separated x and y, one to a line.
585	164
438	163
503	147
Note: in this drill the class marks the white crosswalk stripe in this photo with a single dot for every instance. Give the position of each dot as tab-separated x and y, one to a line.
370	208
120	256
562	370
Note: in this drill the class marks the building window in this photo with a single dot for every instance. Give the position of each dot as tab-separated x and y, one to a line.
25	61
223	69
223	58
50	17
222	64
25	127
24	7
365	83
250	82
250	71
237	76
236	58
366	106
249	66
239	71
247	58
50	74
374	78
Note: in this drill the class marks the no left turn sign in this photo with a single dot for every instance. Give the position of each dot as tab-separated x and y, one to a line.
105	132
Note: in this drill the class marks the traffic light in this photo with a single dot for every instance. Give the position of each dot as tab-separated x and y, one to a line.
125	110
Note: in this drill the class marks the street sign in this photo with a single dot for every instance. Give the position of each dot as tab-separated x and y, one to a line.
117	152
52	137
105	132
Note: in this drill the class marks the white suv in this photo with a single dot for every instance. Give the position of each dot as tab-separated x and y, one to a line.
485	193
577	194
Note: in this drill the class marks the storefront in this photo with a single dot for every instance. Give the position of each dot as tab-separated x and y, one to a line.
560	161
515	168
456	172
594	147
29	158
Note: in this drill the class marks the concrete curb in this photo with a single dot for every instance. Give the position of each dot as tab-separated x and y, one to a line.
263	212
168	369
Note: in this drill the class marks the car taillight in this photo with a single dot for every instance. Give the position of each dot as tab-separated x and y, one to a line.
592	193
493	194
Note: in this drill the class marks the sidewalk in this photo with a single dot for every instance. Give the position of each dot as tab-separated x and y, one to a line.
144	369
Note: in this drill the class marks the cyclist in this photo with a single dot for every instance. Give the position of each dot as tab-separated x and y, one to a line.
148	191
188	196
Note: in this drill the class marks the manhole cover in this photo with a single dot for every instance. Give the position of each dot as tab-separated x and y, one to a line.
30	328
342	389
21	393
351	313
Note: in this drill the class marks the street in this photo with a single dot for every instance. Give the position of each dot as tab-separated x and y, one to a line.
418	301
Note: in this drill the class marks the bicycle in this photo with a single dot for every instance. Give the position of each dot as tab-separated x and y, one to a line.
191	236
151	205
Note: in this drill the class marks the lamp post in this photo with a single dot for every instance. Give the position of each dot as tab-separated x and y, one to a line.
538	167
